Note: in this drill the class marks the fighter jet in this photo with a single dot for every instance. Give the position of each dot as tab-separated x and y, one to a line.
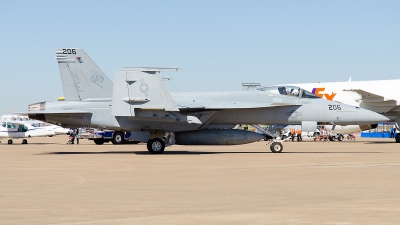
141	103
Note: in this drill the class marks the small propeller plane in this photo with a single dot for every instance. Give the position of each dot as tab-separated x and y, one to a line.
19	129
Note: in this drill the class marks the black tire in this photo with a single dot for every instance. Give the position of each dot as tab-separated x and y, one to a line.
9	141
118	138
24	141
156	146
99	141
332	138
276	147
340	138
397	138
267	137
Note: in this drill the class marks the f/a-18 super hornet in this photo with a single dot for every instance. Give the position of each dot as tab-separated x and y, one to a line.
138	101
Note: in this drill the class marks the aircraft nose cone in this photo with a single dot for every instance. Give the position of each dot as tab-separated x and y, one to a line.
365	116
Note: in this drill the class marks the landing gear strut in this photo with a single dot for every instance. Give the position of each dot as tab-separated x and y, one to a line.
156	146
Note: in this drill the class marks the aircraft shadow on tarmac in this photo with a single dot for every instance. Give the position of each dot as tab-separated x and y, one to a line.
148	153
377	142
195	153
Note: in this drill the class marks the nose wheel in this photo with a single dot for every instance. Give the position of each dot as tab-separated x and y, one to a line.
276	147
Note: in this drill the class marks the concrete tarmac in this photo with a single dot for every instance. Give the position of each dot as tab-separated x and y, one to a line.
49	182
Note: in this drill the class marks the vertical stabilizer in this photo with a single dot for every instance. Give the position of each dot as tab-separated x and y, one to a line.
81	78
141	88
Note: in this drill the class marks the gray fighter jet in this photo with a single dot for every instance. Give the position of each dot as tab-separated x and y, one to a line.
139	102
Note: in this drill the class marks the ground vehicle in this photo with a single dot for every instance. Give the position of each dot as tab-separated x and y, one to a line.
101	136
338	137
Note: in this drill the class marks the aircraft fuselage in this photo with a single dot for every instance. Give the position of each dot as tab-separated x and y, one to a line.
271	110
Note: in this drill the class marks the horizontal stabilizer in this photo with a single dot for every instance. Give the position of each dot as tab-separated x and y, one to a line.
149	69
55	112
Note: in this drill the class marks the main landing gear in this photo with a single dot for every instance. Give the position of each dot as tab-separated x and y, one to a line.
159	140
156	146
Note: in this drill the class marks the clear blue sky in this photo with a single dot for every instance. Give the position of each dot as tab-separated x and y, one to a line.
217	44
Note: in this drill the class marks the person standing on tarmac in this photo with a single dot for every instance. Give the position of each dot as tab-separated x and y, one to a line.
299	135
392	132
325	134
76	135
72	134
293	133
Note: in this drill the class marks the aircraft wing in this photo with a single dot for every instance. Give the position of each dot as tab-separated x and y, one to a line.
13	122
214	104
370	97
374	102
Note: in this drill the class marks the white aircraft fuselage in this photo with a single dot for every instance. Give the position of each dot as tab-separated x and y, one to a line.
377	95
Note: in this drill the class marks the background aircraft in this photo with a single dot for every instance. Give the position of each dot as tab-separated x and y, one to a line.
377	95
34	123
20	129
142	104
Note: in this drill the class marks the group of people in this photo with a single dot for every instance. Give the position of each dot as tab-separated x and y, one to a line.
296	132
324	135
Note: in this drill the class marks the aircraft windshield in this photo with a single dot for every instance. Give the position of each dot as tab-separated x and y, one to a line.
307	94
22	128
289	91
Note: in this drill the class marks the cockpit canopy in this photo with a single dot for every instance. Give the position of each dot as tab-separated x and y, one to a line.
289	91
